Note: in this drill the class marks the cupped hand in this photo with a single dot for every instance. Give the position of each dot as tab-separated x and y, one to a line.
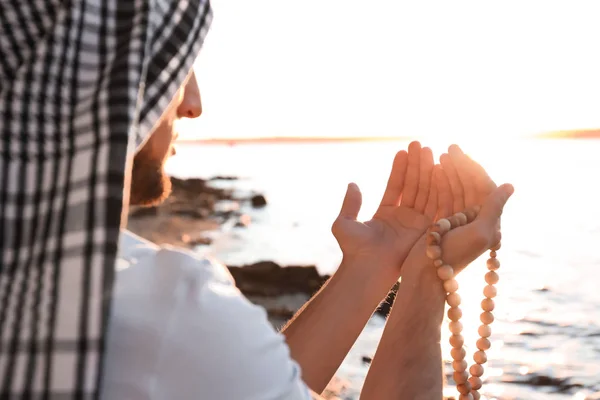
464	185
467	184
407	208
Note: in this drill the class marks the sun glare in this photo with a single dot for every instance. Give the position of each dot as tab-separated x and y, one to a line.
272	68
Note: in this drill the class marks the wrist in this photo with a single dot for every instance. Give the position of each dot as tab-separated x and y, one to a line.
366	276
420	280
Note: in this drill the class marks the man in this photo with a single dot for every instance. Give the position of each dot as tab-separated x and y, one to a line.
220	346
178	328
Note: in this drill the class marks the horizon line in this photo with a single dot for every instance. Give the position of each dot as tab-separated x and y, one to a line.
560	134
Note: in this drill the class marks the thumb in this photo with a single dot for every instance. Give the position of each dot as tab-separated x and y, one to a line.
352	202
491	210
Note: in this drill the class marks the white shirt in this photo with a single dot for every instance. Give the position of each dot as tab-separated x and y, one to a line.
180	329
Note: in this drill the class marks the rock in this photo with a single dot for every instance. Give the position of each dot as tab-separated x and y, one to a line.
527	333
386	306
224	178
140	212
561	384
191	188
258	200
267	278
194	185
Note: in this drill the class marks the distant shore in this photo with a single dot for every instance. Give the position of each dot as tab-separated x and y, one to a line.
234	141
296	140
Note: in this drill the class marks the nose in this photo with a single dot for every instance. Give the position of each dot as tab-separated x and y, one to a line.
191	104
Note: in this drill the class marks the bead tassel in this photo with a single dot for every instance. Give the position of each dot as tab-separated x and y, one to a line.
468	380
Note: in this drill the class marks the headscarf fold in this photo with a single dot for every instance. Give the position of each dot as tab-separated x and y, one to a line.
82	85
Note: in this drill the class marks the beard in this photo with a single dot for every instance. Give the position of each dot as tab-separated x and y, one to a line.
150	185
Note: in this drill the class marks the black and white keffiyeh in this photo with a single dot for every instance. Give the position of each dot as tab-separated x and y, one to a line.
81	82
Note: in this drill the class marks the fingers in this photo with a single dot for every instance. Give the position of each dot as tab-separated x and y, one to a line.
425	171
484	185
465	244
431	208
465	174
444	193
395	184
352	202
492	208
458	198
483	182
411	183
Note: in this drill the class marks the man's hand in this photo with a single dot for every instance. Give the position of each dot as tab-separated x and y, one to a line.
322	333
408	207
465	184
408	361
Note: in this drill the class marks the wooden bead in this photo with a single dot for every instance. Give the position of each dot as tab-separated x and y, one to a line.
465	397
444	225
491	277
438	263
483	344
475	382
451	285
486	317
434	252
480	357
458	353
456	327
471	215
487	305
454	222
434	238
485	331
453	299
476	370
462	218
475	394
454	313
460	377
457	341
459	365
493	264
497	247
493	254
445	272
464	388
489	291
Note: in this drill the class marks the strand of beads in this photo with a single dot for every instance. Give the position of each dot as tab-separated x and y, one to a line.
468	387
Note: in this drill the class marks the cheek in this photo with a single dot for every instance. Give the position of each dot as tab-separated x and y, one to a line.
162	139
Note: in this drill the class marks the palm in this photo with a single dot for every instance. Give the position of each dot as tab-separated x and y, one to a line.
407	209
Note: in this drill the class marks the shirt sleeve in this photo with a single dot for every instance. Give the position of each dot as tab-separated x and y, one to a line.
221	346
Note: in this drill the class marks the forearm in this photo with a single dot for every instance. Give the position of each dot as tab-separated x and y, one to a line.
408	362
324	330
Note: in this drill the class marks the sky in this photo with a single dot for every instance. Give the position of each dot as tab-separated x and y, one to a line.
336	68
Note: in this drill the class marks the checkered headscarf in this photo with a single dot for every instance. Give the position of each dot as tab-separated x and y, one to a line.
81	82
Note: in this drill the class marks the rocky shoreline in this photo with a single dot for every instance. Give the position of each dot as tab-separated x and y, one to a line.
195	209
